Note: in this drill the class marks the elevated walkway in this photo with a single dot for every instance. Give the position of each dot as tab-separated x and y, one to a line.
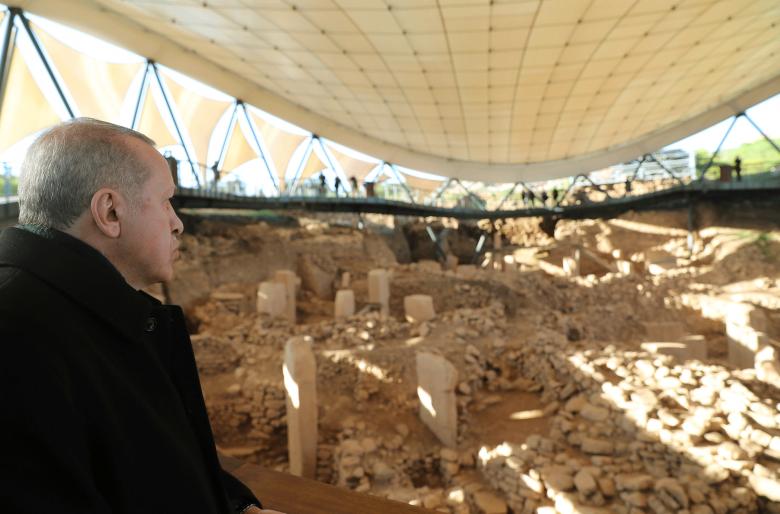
766	187
670	198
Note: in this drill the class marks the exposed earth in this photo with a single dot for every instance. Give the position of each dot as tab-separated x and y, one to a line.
560	408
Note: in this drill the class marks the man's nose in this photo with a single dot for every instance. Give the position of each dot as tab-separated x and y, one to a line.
178	226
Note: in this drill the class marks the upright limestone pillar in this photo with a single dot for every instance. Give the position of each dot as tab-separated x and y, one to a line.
272	299
291	283
379	289
344	305
436	382
571	265
300	384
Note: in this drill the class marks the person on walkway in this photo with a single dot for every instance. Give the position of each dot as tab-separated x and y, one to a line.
354	184
102	407
322	183
738	168
337	185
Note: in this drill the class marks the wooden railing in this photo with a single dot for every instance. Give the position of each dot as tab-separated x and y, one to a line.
294	495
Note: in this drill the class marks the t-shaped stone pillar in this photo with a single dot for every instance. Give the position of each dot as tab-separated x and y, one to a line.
272	299
345	304
300	384
436	381
571	265
418	307
379	289
291	283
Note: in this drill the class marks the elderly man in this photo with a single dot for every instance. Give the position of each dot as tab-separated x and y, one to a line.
100	399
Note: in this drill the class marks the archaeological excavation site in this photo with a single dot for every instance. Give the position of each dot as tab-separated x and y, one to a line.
621	365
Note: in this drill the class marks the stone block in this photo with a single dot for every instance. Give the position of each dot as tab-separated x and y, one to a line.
624	267
466	271
664	330
418	307
681	351
345	303
291	283
379	289
428	266
571	267
658	262
436	382
300	384
747	315
316	276
743	344
272	299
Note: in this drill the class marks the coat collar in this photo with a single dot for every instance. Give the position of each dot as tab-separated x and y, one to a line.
80	272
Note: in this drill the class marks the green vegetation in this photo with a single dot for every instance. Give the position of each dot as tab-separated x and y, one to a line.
758	156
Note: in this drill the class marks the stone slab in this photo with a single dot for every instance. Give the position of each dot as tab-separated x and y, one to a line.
344	306
418	308
300	384
272	299
436	382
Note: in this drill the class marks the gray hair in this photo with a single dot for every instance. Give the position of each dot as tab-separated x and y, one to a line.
69	163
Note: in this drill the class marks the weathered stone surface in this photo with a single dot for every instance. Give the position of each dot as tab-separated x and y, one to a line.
300	383
291	283
664	331
593	413
436	382
597	446
272	299
487	502
344	306
379	289
766	486
418	308
585	483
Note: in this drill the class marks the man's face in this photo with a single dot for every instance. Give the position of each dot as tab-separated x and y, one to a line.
150	230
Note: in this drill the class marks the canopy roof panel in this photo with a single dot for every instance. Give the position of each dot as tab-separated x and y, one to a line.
476	89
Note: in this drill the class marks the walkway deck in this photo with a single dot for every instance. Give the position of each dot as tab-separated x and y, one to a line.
293	495
674	197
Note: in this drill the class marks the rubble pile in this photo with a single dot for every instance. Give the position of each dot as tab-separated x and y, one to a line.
633	430
559	405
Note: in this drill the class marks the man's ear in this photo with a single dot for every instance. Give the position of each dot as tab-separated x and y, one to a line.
104	206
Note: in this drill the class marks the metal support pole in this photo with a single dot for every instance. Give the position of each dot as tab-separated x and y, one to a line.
259	146
327	157
563	196
712	159
638	167
173	118
506	197
300	166
441	190
39	51
141	90
403	184
439	250
228	132
667	170
478	248
7	49
769	140
469	193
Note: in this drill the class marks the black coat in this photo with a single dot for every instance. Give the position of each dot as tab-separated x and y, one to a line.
100	404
